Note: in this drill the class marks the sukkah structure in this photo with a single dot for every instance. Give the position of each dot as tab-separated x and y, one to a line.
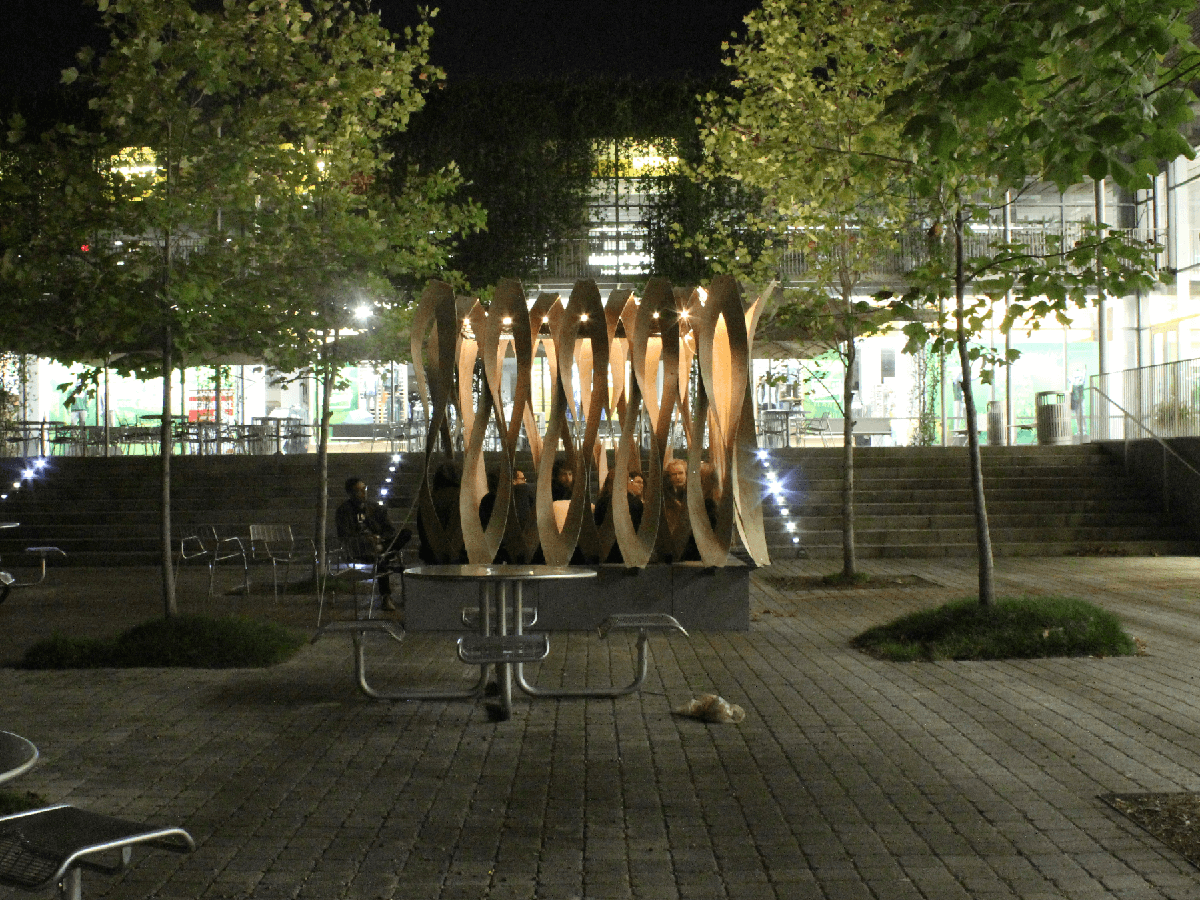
610	362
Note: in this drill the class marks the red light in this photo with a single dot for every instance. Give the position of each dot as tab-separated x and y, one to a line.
85	248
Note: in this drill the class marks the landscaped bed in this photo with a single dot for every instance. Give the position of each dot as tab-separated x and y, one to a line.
184	641
1026	628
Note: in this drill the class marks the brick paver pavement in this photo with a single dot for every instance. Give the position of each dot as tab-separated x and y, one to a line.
849	778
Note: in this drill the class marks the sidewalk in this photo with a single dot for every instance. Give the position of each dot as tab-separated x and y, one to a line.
849	778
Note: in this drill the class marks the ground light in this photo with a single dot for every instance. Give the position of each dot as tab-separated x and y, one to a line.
775	489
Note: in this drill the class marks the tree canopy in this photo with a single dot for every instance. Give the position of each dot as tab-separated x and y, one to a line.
231	190
1003	93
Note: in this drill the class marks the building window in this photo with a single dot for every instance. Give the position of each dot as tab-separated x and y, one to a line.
887	363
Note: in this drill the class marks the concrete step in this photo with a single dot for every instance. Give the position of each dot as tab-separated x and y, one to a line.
909	501
1038	548
966	519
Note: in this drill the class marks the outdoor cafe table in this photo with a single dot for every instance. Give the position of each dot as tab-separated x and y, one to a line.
500	586
6	580
17	755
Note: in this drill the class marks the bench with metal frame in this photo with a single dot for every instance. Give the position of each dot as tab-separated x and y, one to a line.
42	553
358	631
8	582
41	848
643	624
50	847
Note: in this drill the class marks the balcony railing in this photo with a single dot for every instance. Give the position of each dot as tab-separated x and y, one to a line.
593	257
1162	399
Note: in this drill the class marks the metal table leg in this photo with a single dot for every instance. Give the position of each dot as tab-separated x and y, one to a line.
504	674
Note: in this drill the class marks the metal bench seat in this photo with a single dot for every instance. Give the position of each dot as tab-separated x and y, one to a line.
492	649
44	847
358	629
41	553
643	624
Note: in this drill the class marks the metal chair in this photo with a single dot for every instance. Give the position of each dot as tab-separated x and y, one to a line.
277	545
209	547
818	426
774	427
65	440
341	565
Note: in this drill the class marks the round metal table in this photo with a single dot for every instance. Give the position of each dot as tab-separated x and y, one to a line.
17	755
6	579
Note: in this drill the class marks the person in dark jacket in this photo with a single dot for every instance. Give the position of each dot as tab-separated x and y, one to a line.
369	536
444	491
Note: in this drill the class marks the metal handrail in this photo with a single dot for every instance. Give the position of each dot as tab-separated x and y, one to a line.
1166	502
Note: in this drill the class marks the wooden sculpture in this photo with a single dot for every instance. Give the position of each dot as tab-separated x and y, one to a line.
667	360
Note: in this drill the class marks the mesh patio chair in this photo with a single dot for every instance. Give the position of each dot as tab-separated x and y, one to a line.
818	426
208	547
278	545
341	567
773	426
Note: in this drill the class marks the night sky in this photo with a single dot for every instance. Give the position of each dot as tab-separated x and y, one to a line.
497	38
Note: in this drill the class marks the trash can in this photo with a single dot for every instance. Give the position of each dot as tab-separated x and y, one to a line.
1053	425
995	423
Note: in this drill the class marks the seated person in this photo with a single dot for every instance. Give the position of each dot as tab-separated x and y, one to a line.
444	490
368	535
520	530
604	508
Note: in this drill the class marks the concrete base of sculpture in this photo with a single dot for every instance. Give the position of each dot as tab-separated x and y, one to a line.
700	598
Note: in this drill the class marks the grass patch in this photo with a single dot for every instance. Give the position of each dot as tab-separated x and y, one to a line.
1028	628
19	801
197	642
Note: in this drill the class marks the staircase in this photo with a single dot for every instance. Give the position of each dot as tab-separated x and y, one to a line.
909	502
106	511
916	502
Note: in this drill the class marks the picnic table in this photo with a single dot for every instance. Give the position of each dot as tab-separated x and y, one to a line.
498	639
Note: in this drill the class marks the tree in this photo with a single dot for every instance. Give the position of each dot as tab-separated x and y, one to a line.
532	153
358	247
804	127
232	183
525	153
1000	93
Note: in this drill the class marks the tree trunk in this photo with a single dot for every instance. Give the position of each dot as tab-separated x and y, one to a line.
983	537
328	356
217	409
165	436
849	561
165	444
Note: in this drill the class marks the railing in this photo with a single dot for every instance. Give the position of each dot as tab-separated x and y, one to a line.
1143	430
572	258
1165	397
